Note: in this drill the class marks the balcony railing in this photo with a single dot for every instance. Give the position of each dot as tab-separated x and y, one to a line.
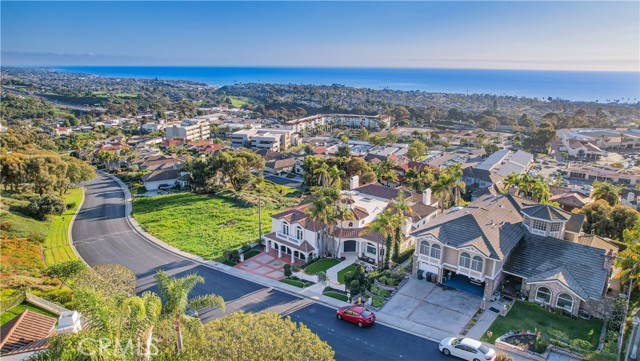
288	238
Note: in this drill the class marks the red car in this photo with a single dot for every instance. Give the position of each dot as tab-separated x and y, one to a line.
356	314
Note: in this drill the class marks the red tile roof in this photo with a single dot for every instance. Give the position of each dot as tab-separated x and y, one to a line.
25	333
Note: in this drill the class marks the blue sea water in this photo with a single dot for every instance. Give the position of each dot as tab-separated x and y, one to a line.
570	85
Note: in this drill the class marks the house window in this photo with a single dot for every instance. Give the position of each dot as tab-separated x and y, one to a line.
539	225
555	227
435	251
424	248
299	234
565	301
465	260
285	228
350	224
476	264
371	248
527	221
543	295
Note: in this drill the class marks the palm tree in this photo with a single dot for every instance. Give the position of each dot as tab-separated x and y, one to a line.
449	186
334	178
455	173
606	191
629	263
322	174
401	209
322	211
384	225
175	293
540	192
525	185
512	180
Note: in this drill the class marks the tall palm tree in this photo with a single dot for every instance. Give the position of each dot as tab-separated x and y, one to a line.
334	178
606	191
175	293
449	186
322	174
455	173
401	210
525	185
384	225
322	212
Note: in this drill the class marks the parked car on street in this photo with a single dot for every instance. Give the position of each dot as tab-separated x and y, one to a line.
467	349
356	314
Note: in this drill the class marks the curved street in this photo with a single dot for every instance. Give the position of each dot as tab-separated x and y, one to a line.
102	235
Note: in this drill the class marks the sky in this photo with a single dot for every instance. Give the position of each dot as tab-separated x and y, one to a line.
542	35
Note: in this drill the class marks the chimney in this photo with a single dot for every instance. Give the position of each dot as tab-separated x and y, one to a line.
68	323
354	182
426	197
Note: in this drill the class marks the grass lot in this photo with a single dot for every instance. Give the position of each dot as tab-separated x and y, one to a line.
321	265
344	271
525	315
10	314
297	283
56	246
238	102
200	224
336	295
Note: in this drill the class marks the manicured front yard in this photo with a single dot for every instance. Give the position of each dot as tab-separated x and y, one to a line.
15	311
344	271
321	265
336	295
297	283
529	316
200	224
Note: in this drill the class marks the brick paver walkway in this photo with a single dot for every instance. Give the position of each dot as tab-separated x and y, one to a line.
267	265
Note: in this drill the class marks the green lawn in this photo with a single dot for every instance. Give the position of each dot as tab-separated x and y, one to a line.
10	314
238	102
336	295
56	246
297	283
529	316
200	224
321	265
344	271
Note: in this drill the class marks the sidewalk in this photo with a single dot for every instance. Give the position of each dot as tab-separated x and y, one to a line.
332	273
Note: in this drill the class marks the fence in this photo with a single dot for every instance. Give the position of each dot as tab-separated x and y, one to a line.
44	304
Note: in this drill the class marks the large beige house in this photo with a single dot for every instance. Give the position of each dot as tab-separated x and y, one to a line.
518	247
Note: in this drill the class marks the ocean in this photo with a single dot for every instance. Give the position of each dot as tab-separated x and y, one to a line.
569	85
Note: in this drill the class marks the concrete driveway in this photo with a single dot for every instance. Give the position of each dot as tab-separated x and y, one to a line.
428	305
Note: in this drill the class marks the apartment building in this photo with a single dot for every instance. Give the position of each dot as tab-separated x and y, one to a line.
189	130
350	120
270	139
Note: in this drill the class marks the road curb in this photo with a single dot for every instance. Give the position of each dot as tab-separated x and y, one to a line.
69	231
224	268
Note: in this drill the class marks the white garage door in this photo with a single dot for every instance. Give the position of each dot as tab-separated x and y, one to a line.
428	268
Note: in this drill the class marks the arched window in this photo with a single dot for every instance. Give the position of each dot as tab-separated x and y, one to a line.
299	233
476	264
435	251
465	260
543	295
285	228
350	224
565	301
424	248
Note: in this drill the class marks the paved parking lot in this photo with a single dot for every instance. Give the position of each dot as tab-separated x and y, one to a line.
425	303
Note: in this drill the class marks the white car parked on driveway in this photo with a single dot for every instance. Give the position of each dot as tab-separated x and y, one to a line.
467	349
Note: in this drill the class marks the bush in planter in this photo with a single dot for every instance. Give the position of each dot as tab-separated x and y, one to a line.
503	357
231	256
287	270
354	287
296	269
377	301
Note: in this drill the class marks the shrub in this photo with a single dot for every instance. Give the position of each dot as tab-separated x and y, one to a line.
41	207
503	357
287	270
231	256
354	287
377	301
404	256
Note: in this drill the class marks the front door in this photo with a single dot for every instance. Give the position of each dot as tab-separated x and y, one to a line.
349	246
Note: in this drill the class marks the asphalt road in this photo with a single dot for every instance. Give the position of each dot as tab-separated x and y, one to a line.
102	235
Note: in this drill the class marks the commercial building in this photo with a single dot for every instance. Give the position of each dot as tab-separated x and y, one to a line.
190	129
614	139
593	172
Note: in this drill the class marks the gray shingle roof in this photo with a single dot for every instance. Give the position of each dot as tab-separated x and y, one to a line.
546	212
580	267
160	175
575	223
492	224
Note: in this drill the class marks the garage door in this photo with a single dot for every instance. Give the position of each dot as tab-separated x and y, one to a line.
428	268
